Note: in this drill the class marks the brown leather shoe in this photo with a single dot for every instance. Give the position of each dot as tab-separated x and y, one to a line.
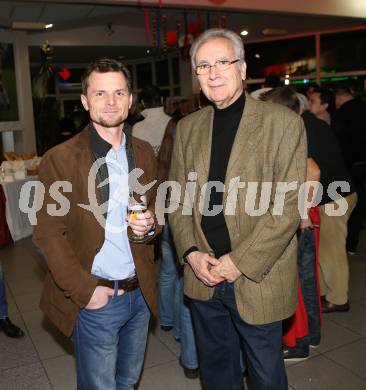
328	307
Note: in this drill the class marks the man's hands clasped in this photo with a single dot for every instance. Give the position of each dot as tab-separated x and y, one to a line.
213	271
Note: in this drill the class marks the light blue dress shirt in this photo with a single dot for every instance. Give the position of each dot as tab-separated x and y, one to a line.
114	261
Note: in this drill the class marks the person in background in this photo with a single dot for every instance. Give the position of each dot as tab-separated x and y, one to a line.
271	81
134	115
309	89
349	126
173	309
303	329
6	325
152	128
173	313
182	110
333	262
322	104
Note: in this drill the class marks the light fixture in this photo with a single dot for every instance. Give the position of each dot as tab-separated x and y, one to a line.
147	51
274	31
287	81
27	25
49	25
257	55
244	33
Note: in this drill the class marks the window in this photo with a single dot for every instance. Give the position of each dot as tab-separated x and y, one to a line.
162	73
144	74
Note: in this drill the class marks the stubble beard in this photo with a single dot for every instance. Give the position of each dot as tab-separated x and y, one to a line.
111	123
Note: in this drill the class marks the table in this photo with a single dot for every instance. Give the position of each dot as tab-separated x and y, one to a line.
18	222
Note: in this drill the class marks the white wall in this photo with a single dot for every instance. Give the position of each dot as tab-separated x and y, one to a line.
24	140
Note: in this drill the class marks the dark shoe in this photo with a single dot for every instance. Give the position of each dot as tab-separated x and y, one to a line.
295	354
190	373
328	307
166	328
10	329
314	342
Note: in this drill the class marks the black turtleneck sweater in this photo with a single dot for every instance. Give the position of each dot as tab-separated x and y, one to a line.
225	125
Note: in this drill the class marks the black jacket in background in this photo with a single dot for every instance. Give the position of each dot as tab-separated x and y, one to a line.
349	125
323	148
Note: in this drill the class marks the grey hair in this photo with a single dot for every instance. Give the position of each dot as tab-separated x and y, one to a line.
212	33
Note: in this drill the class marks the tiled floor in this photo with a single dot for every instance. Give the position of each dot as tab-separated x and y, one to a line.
43	359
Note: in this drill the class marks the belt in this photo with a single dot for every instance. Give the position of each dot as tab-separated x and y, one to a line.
128	284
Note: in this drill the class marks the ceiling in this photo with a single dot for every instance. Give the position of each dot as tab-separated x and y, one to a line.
73	16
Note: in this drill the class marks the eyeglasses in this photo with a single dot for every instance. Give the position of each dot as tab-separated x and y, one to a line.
220	65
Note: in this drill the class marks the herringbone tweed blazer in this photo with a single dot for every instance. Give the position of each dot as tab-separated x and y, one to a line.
270	146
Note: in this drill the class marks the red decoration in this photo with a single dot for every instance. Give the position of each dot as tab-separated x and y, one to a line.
64	73
171	38
147	22
278	70
153	32
163	29
223	19
193	28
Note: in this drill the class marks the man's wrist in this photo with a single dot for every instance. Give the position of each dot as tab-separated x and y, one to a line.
188	252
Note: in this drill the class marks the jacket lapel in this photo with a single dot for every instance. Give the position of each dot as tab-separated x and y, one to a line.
204	134
246	141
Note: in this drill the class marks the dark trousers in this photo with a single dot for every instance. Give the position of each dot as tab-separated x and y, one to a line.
220	332
306	263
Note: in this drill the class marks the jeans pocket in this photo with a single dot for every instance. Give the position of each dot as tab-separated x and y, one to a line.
100	308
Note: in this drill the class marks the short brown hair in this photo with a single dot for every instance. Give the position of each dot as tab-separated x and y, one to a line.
104	65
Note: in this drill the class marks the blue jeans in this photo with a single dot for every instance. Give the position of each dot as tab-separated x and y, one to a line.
170	284
173	308
220	332
3	302
110	343
306	264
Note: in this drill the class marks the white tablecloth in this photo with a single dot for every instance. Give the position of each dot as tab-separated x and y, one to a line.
18	222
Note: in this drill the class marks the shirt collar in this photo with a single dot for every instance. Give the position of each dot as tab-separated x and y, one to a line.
100	146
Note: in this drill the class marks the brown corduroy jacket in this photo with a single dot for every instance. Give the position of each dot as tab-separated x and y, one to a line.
71	241
270	146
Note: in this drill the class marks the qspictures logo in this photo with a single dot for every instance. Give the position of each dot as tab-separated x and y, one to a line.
254	198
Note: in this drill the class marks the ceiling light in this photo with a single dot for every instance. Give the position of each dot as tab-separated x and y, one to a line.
244	32
257	55
147	51
49	25
287	82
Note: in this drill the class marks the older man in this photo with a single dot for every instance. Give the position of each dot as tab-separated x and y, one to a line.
100	286
241	263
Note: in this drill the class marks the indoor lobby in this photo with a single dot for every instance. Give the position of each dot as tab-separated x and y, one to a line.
45	46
